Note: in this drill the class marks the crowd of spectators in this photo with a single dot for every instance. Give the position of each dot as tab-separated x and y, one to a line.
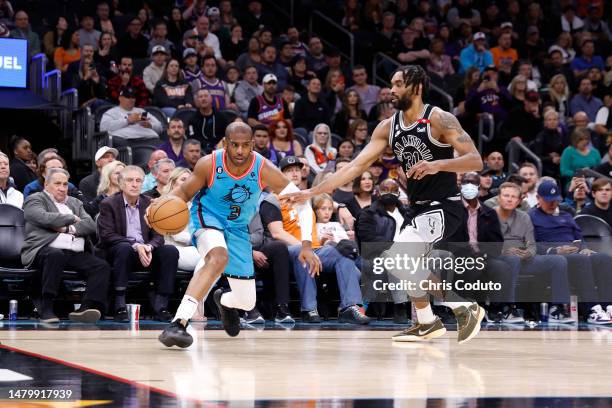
542	71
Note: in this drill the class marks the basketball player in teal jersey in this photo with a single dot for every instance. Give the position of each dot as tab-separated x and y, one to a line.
227	184
425	140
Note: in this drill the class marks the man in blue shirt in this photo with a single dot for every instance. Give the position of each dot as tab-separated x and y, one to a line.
587	60
585	101
556	232
476	54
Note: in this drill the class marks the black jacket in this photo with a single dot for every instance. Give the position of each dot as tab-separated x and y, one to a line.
546	142
208	130
374	224
489	235
22	175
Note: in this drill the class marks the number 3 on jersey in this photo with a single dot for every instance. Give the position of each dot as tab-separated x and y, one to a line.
235	212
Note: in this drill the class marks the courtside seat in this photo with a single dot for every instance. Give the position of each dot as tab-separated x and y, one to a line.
596	232
12	233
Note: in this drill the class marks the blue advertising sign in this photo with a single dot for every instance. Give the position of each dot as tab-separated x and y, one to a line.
13	62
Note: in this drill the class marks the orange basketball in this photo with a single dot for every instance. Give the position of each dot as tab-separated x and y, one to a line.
168	215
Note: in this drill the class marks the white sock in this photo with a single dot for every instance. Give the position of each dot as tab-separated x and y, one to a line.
186	309
425	315
242	296
455	305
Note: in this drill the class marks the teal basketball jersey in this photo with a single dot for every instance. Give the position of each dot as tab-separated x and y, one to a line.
228	200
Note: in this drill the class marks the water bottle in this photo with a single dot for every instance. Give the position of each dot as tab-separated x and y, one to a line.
574	308
543	312
13	310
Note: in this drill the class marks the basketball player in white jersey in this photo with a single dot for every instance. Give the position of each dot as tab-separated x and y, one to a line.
424	139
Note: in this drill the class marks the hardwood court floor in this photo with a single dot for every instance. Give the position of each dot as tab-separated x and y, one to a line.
340	364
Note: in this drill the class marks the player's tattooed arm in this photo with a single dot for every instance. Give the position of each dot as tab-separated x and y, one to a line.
450	124
450	132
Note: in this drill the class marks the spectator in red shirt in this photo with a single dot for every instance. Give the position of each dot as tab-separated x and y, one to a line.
125	79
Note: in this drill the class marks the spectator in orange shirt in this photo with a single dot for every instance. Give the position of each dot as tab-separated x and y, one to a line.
504	55
68	51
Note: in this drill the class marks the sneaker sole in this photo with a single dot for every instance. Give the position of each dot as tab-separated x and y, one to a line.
285	320
476	330
52	320
87	316
256	321
600	323
170	341
411	338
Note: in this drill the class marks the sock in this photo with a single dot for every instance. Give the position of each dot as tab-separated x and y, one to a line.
425	315
186	309
119	299
160	302
455	305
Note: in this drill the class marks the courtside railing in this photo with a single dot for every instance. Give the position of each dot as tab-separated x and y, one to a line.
514	149
37	73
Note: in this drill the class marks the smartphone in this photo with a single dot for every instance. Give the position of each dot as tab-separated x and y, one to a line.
92	67
579	173
143	115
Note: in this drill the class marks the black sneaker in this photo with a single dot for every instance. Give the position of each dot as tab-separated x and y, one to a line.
311	317
400	313
229	316
352	315
163	315
121	315
283	315
468	321
83	315
175	334
253	317
48	317
420	332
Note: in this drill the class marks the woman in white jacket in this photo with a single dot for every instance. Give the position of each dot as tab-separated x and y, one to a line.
189	257
320	152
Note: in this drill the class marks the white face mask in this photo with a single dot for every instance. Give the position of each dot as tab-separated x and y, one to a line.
469	191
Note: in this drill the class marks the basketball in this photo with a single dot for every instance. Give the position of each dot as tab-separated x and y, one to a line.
168	215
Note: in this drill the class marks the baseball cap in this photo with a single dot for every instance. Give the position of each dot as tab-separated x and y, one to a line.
490	68
127	92
269	78
549	191
105	149
158	49
189	52
487	171
480	36
289	161
506	24
214	11
532	96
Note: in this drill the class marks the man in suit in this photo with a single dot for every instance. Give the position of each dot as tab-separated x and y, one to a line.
132	245
56	227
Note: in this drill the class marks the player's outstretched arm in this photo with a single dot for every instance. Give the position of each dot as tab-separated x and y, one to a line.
199	178
279	184
447	129
370	153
